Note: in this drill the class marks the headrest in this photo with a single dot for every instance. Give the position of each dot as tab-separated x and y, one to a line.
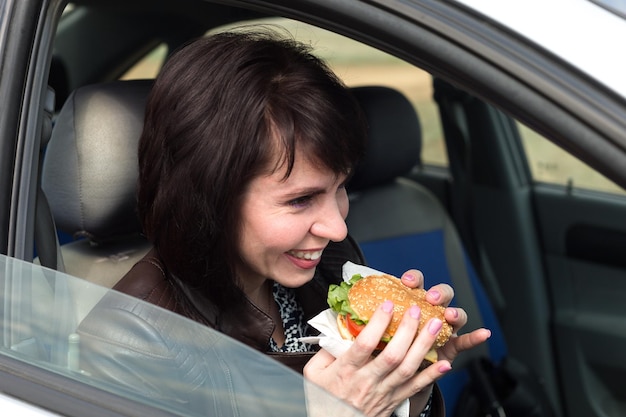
394	137
90	168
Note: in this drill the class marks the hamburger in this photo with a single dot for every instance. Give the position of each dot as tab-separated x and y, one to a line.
356	300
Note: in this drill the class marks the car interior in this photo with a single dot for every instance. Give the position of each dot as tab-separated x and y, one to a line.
400	223
517	251
99	127
89	173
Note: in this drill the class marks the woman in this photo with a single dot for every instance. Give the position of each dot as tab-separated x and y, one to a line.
247	146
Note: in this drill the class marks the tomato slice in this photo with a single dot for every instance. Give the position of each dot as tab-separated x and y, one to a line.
355	329
352	326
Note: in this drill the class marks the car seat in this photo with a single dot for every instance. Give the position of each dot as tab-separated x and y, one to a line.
89	178
401	225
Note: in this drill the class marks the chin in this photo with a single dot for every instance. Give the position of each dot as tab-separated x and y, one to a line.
295	279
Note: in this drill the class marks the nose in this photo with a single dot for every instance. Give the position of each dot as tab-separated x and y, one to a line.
330	223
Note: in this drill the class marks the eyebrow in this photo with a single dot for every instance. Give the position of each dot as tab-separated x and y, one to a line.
304	191
312	190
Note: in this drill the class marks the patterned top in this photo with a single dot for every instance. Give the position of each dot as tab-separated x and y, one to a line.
293	321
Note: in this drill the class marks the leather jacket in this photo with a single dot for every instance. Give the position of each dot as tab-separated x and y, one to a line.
149	280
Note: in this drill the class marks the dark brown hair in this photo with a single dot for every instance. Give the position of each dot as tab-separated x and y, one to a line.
210	128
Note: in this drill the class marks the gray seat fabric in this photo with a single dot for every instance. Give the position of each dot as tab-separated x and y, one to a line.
400	224
89	178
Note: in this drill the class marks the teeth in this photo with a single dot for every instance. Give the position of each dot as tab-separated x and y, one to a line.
311	256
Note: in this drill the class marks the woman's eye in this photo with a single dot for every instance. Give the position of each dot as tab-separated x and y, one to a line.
301	201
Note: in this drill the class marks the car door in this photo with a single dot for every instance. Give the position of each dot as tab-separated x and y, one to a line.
582	233
546	231
549	232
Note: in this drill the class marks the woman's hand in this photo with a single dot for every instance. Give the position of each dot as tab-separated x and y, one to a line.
442	294
376	385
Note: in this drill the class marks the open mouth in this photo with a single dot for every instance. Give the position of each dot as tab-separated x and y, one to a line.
307	255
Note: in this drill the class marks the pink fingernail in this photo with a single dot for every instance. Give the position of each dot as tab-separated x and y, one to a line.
434	326
409	277
445	368
414	312
455	313
434	295
387	306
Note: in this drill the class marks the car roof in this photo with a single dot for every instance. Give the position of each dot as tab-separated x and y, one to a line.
582	33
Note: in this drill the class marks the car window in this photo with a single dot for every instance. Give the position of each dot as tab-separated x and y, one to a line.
147	67
356	64
552	165
209	373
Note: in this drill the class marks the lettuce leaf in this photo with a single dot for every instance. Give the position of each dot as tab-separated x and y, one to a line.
338	298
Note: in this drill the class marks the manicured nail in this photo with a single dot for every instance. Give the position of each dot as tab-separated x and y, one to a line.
443	368
387	306
434	326
434	295
409	277
414	311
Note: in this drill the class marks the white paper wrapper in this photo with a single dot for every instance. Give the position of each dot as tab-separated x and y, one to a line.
326	324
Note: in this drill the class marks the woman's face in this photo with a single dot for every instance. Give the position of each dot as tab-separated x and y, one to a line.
287	223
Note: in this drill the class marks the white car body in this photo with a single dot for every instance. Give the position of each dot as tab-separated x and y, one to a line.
579	31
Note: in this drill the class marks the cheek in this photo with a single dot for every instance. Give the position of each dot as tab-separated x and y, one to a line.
277	234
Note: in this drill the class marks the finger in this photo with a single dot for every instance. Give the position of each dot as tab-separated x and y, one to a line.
424	379
415	355
413	278
394	354
366	342
458	344
456	317
440	294
320	361
471	340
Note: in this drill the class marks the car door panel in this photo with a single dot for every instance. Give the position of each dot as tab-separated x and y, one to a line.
583	236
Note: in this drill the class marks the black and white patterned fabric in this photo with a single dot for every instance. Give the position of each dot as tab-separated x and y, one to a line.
293	321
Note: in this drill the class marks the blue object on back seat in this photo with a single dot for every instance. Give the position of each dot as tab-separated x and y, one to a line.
401	225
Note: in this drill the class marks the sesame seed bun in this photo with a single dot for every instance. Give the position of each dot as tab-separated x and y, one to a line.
368	293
